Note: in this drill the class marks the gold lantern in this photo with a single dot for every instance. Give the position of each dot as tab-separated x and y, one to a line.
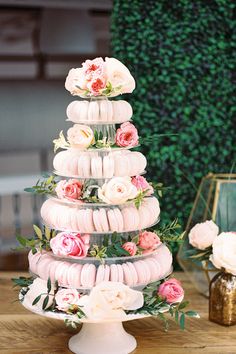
216	200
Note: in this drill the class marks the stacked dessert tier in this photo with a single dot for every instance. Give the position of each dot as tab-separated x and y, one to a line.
93	164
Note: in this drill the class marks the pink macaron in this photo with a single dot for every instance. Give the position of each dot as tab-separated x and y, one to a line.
88	275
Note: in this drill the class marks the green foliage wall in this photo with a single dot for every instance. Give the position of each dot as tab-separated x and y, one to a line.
182	54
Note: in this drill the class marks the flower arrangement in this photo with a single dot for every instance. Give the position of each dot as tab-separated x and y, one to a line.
210	245
100	77
117	190
82	137
107	300
76	245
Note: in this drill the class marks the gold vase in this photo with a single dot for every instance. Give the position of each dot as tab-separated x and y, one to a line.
222	300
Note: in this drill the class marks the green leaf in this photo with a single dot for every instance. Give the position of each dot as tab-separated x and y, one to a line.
192	314
36	300
21	240
182	321
49	285
38	232
29	190
45	302
47	233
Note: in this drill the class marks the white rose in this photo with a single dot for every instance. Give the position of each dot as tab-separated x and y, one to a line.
224	252
38	287
76	82
110	299
203	234
117	191
80	136
66	297
119	75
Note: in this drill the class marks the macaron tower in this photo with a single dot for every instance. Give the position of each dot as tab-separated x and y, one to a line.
102	203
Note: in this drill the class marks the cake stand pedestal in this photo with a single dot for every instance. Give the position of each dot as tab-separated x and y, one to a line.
102	338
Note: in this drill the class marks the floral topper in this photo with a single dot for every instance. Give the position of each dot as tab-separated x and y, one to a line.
100	78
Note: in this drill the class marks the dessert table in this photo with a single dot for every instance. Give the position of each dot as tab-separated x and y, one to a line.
21	331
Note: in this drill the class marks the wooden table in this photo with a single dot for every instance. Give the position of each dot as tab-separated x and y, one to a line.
24	332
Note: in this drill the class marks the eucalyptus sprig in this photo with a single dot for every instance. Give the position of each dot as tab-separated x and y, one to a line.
40	242
169	233
46	186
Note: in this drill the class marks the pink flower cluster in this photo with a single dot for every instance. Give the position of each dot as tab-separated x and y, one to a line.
142	185
171	290
127	135
94	74
98	77
71	189
70	244
147	241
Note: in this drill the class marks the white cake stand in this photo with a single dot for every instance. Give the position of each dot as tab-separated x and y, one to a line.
100	337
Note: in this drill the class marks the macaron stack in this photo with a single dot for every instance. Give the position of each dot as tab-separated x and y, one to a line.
100	220
103	164
135	273
104	219
101	110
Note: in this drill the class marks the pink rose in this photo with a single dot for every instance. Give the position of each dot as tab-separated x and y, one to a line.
203	234
93	68
71	189
148	240
130	247
126	135
66	297
171	290
70	244
96	85
142	184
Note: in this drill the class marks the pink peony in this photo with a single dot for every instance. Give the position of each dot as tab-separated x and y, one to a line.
96	85
130	247
171	290
93	68
127	135
71	189
148	240
70	244
66	297
142	184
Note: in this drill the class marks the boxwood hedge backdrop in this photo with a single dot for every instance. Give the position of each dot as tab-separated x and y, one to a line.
182	55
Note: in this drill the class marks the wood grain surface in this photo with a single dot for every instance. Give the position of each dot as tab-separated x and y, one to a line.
24	332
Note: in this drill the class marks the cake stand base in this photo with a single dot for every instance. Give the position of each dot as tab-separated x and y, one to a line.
102	338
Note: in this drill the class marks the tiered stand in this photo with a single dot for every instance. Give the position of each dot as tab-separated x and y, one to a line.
106	336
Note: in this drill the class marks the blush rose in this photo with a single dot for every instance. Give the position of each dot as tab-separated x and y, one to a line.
70	244
65	298
148	240
142	184
71	189
130	247
127	135
171	290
